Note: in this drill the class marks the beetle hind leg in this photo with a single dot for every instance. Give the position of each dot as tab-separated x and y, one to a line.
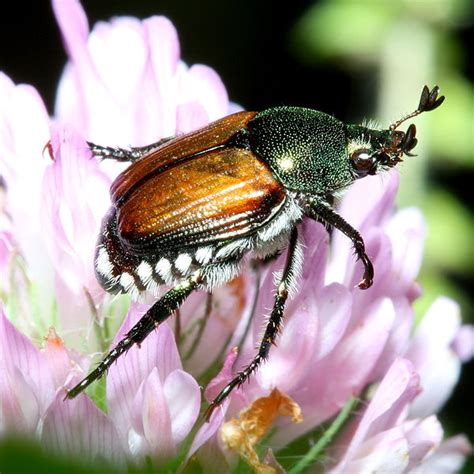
287	283
155	315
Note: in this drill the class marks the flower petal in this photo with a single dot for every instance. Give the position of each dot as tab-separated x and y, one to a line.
20	410
78	428
64	364
294	348
74	200
399	337
463	343
151	408
23	114
448	458
424	437
163	50
158	351
209	430
183	397
202	86
386	452
18	353
316	245
395	392
115	47
407	234
231	308
366	204
320	394
334	311
433	357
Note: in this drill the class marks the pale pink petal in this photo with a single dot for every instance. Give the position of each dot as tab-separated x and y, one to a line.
386	452
74	199
202	85
407	234
225	375
99	88
448	458
233	107
78	428
162	42
201	97
231	308
72	22
320	394
125	84
103	78
190	116
378	193
152	418
463	343
334	311
6	253
431	354
65	365
424	438
399	337
266	299
367	203
316	244
271	461
71	100
158	351
117	52
23	114
18	353
396	391
164	413
183	397
209	430
20	410
294	348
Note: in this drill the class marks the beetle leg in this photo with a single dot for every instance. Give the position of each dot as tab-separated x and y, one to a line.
290	272
320	211
158	313
132	154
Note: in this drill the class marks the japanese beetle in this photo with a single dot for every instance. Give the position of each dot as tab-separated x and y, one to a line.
188	208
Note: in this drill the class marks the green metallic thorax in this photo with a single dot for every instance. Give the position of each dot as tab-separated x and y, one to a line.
306	149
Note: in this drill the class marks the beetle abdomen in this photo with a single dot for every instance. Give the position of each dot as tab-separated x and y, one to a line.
120	271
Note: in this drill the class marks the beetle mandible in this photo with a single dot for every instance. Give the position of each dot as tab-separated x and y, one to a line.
188	208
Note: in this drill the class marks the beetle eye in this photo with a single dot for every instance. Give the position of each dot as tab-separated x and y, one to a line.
363	162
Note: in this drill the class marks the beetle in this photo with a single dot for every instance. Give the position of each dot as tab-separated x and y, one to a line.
189	208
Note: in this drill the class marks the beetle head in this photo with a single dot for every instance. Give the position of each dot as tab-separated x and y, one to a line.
373	150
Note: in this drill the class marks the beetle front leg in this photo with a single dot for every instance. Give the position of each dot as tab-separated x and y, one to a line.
131	154
320	211
158	313
288	281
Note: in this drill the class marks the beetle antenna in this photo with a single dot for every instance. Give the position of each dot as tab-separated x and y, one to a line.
429	100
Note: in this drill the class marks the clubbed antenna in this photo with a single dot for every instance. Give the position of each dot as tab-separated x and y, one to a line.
429	100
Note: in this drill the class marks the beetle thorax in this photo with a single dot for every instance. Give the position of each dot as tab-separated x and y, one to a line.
305	149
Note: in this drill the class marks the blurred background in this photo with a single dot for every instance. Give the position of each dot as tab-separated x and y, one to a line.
353	59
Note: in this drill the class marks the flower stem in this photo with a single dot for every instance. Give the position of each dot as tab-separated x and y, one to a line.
311	456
